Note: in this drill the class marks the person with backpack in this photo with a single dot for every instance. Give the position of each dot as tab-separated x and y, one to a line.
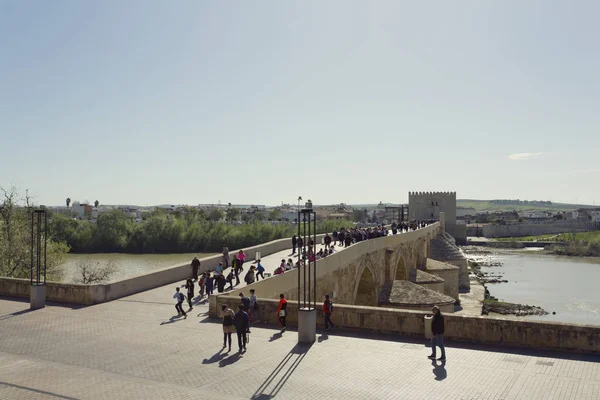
226	256
228	327
327	310
260	271
179	297
282	312
236	269
249	278
189	285
437	334
242	327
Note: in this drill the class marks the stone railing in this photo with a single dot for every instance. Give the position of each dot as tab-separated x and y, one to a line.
487	330
100	293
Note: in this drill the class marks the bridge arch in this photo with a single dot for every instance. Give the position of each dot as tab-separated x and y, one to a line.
401	270
365	290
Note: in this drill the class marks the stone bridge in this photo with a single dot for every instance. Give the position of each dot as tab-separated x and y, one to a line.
356	275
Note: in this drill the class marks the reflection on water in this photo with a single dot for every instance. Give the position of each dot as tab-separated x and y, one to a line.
565	285
129	265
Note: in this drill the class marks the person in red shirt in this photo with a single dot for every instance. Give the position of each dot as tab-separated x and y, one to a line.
327	310
282	312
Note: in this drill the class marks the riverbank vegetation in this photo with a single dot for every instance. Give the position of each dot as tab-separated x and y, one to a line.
583	244
15	239
186	231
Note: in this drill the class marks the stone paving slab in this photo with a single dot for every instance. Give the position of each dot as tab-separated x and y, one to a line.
132	349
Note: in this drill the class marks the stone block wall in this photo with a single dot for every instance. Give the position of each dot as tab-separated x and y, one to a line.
534	229
488	330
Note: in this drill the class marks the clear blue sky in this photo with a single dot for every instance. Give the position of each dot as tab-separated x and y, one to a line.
187	102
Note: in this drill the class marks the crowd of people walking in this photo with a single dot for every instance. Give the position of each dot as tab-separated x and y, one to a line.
239	319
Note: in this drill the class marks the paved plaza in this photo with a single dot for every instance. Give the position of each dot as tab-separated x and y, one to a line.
135	348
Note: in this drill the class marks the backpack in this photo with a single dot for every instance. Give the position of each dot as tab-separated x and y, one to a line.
227	320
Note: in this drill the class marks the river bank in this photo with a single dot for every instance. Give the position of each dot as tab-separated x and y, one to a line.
564	287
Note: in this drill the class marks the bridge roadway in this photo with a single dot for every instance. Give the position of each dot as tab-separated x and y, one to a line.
134	348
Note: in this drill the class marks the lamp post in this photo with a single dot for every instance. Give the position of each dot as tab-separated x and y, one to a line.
307	290
37	269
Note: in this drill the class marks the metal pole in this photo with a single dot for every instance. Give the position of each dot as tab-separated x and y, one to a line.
309	256
39	246
304	252
315	265
45	242
299	251
31	265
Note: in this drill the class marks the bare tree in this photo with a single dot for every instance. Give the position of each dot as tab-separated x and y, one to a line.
90	271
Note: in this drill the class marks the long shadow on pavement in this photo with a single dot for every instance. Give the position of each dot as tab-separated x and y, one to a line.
282	372
215	358
230	360
171	320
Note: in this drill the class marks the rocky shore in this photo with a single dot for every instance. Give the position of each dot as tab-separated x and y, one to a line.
500	307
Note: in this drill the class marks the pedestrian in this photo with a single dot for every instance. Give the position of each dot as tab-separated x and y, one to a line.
282	312
260	270
219	268
254	314
220	282
202	285
300	244
289	265
209	283
228	327
189	285
241	258
195	266
249	278
437	334
230	279
327	241
236	270
226	256
179	297
294	243
242	327
327	310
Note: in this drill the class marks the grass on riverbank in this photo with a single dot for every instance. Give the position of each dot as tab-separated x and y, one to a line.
583	244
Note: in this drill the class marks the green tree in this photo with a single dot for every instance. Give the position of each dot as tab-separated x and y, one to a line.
215	214
274	215
15	239
232	213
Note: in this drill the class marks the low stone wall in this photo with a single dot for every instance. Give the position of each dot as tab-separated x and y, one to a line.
488	330
534	229
100	293
61	292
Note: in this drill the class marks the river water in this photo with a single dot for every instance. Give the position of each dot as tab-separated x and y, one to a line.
565	285
128	265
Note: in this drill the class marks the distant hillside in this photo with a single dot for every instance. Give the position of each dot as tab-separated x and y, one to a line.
517	205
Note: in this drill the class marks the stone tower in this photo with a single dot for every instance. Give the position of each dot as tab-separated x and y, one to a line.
428	205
